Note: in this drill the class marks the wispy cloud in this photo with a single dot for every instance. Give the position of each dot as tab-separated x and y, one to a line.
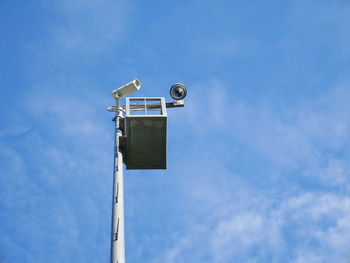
300	228
251	180
56	151
44	179
237	220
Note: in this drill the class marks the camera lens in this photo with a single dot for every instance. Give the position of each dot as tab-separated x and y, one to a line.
178	91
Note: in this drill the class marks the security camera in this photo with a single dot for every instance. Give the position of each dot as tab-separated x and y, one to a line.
127	89
178	91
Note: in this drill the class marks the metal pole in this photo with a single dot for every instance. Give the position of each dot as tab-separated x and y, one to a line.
118	240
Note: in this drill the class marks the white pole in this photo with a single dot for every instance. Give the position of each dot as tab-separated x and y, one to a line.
118	239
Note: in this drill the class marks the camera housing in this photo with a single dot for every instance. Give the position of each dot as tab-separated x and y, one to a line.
127	89
178	91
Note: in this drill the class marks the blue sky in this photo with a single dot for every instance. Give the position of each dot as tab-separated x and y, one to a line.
258	160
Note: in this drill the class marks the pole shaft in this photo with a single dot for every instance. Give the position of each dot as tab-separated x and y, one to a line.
118	238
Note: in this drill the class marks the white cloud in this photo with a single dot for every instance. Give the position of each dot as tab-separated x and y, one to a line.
311	136
231	238
236	221
304	228
56	177
57	144
230	218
